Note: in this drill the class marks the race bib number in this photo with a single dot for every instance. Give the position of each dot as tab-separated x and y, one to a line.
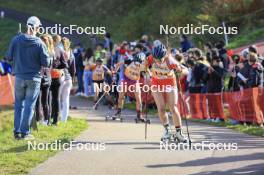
98	74
133	71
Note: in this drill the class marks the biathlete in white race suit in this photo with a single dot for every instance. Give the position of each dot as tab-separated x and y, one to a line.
164	89
130	81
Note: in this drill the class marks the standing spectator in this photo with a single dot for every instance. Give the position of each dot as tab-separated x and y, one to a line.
108	43
199	71
43	98
223	54
77	50
233	84
255	77
79	71
66	84
88	81
28	54
215	76
186	44
208	51
58	65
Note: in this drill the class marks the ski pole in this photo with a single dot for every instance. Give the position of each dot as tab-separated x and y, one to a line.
185	117
98	101
146	110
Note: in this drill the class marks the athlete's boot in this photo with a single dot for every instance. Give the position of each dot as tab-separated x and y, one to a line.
117	114
166	133
179	136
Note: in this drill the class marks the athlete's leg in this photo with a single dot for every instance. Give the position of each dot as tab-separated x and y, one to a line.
96	91
138	100
172	100
160	103
121	97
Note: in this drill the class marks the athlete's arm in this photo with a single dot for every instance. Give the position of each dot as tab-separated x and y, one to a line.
117	66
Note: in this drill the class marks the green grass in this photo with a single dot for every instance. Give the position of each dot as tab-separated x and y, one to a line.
248	129
8	29
15	158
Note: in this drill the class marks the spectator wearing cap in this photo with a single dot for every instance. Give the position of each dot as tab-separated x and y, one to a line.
108	43
29	54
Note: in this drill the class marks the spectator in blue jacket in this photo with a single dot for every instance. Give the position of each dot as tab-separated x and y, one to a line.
29	54
186	44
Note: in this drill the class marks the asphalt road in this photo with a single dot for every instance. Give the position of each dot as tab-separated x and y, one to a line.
115	148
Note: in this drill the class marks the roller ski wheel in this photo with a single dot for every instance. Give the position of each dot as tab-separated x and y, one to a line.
107	118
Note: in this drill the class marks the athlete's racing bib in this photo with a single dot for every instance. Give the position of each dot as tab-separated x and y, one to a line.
98	73
132	71
161	71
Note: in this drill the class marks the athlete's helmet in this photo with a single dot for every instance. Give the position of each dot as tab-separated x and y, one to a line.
139	57
159	51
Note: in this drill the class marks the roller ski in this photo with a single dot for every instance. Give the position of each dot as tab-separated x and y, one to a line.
140	119
167	135
116	116
170	137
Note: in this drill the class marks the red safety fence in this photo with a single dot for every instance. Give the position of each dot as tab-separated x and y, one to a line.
6	90
245	106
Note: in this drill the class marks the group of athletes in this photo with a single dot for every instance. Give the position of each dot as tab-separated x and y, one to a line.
157	66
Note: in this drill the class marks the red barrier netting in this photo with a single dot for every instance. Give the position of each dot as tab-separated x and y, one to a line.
245	106
6	90
198	106
232	100
215	106
182	105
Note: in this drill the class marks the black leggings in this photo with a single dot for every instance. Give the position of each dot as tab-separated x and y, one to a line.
55	88
45	105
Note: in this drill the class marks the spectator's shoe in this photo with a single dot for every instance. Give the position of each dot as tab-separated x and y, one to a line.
233	122
86	96
54	124
27	137
82	94
217	120
208	120
44	122
17	136
78	94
